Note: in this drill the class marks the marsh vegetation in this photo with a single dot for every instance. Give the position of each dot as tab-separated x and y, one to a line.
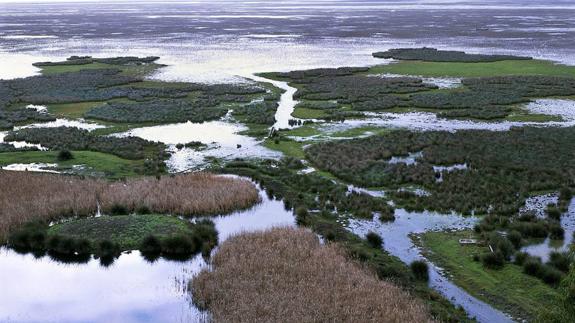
46	197
286	274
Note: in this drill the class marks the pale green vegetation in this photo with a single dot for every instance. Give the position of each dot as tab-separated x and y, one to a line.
456	69
508	288
94	163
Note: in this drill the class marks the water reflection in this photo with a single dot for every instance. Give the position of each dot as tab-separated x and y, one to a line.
546	247
223	140
131	289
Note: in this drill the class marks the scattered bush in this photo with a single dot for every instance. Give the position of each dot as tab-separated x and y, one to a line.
301	215
65	155
515	238
520	258
374	240
108	249
553	213
556	232
178	246
420	270
560	260
533	266
493	260
151	246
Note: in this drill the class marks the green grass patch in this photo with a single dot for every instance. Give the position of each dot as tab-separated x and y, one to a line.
439	69
287	147
72	110
304	113
95	163
303	131
508	289
526	117
132	70
128	231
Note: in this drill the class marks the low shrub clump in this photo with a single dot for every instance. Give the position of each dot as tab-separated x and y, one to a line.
107	236
549	274
420	270
287	275
374	240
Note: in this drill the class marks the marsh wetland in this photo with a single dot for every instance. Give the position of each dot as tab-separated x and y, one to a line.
437	182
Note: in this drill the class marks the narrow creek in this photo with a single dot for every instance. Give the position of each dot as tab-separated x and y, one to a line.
397	241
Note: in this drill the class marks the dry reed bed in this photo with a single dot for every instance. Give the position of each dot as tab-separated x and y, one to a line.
285	275
28	196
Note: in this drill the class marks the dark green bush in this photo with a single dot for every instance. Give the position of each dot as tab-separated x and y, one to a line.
118	209
493	260
374	239
420	270
107	249
515	238
178	246
556	232
533	267
560	260
551	276
143	210
553	213
500	245
151	246
64	155
520	258
301	215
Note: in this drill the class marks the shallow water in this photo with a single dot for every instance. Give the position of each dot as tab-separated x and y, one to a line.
397	241
286	103
218	40
546	247
130	290
554	107
222	137
426	121
32	167
78	123
19	144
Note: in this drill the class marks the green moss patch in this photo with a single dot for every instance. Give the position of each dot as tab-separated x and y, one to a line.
128	231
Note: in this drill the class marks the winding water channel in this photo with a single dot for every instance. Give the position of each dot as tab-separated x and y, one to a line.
133	289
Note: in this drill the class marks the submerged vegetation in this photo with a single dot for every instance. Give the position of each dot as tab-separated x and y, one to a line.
287	275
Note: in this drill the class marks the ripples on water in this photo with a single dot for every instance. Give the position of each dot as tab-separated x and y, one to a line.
218	40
